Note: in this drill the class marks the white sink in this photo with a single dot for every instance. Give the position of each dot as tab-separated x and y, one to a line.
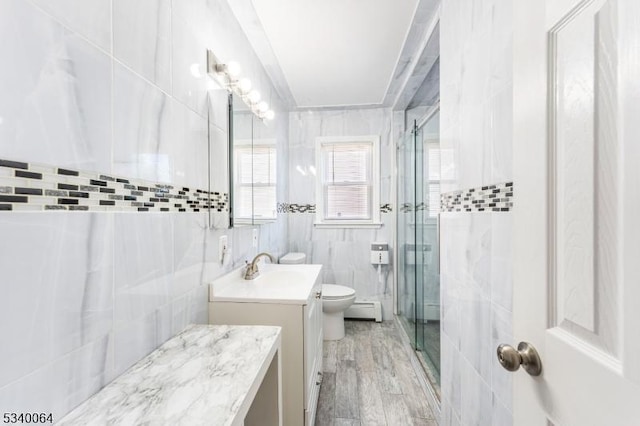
275	284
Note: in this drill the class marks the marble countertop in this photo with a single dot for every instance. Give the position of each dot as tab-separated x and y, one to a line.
283	284
208	374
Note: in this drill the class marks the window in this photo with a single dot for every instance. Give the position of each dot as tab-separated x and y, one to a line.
348	190
255	180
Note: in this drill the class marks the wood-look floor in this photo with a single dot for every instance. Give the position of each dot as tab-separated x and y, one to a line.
368	380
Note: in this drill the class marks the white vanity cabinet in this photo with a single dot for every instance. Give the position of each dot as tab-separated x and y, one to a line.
298	310
312	353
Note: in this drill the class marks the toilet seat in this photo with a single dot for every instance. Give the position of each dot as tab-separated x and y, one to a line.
335	292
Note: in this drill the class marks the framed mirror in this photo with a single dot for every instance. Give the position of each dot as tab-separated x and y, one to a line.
253	167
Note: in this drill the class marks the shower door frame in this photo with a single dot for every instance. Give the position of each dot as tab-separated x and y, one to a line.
413	340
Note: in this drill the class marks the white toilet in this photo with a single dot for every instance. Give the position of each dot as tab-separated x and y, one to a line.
335	300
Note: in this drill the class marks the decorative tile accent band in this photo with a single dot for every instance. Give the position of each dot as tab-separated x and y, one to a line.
311	208
36	187
296	208
491	198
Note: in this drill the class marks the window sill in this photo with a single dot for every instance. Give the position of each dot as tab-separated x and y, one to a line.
343	225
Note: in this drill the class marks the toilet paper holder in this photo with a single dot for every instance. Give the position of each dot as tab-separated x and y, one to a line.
380	253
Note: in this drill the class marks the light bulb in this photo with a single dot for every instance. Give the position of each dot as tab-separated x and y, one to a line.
263	107
269	115
244	85
254	96
233	69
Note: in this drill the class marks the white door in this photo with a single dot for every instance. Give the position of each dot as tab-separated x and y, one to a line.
577	210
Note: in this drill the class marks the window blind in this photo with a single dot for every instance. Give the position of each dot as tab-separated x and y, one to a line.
347	180
433	151
255	183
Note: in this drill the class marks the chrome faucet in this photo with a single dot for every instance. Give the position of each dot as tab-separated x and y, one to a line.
252	268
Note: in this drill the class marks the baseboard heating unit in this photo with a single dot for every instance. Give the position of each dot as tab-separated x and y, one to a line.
365	310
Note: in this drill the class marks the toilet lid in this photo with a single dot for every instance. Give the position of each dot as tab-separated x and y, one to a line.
332	291
293	258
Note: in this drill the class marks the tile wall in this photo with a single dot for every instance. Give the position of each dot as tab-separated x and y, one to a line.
476	132
113	88
343	252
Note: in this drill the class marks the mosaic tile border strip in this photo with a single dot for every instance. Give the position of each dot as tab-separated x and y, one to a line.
296	208
37	187
311	208
490	198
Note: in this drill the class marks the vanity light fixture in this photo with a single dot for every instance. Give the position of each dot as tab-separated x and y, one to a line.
253	97
244	86
263	107
227	74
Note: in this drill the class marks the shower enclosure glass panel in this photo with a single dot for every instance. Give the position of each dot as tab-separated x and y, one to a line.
406	233
418	229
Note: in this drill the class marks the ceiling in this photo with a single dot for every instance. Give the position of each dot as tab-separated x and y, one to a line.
336	53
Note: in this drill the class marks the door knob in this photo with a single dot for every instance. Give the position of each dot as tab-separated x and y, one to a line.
526	355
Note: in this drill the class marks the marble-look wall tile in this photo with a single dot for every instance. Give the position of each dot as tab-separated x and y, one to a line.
475	274
501	40
501	260
89	18
189	67
60	386
191	147
138	337
476	93
499	133
144	250
450	377
476	148
475	332
501	379
448	417
142	38
500	415
108	288
218	154
157	138
189	251
211	24
476	397
192	308
143	132
343	252
219	109
51	109
57	282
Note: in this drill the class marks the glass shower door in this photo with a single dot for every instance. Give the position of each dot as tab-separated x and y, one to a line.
427	246
418	301
406	236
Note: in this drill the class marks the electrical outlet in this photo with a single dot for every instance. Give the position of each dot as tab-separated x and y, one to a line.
223	248
255	238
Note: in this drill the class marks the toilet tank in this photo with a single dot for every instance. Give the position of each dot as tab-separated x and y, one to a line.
293	258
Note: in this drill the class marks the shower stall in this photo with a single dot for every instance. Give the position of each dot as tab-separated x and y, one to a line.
418	193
